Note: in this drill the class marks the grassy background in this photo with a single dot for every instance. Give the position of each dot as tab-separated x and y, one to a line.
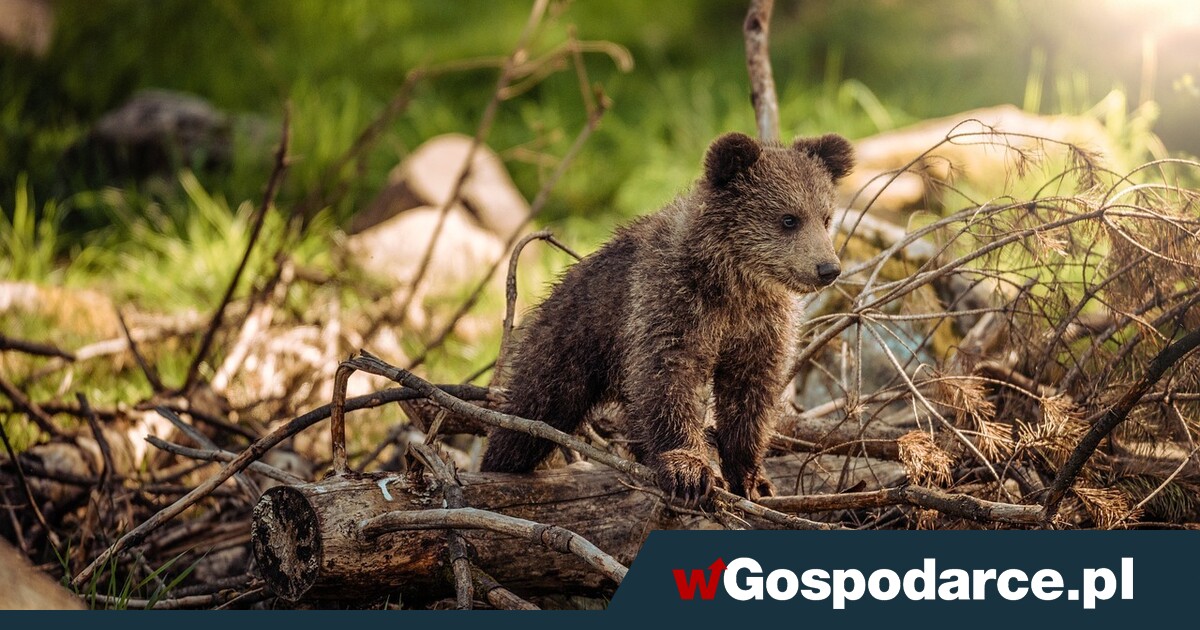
339	62
851	67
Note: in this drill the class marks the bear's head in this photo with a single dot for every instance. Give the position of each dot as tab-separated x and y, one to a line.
773	205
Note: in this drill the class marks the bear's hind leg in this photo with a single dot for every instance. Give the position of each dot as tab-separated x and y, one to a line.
553	392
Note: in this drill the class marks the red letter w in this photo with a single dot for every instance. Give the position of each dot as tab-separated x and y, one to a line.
708	589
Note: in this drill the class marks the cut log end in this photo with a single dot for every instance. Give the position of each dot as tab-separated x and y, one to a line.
287	543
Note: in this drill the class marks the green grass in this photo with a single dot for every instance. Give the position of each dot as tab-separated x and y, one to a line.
847	67
121	590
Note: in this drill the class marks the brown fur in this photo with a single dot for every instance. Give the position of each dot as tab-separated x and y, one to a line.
700	294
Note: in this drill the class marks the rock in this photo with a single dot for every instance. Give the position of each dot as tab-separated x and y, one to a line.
978	159
390	237
393	249
428	175
155	133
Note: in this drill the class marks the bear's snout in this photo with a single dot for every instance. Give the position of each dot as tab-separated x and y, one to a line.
827	272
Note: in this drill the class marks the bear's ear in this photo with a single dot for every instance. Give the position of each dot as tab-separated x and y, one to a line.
728	156
832	150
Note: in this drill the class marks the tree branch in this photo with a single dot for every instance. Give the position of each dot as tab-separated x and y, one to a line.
245	458
281	164
1113	417
951	504
757	30
34	348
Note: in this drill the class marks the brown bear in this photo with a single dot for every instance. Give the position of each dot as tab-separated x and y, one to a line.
698	297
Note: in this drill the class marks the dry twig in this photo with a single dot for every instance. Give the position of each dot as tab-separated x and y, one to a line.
951	504
460	562
1113	417
260	217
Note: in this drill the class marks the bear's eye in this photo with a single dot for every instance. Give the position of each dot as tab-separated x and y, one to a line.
790	222
828	220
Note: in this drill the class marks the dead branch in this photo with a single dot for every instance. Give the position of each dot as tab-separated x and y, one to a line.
243	460
337	421
460	563
757	31
510	294
1113	417
199	438
34	348
217	455
185	406
185	602
147	370
950	504
31	409
33	505
496	594
273	183
110	468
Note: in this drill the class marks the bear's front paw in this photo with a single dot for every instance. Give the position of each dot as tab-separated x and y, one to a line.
752	485
685	475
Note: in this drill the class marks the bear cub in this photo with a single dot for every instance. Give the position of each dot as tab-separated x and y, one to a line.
699	297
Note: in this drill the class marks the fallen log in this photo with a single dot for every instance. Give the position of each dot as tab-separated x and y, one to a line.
982	143
312	541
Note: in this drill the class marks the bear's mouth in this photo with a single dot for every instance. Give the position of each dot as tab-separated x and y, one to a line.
803	284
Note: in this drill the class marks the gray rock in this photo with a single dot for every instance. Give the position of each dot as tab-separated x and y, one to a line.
427	178
155	133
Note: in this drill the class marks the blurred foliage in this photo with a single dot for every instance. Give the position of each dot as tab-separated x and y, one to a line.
851	67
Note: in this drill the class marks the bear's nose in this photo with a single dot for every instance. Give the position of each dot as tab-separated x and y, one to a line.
828	272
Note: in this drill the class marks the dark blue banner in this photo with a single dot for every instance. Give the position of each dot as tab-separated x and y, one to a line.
992	578
982	579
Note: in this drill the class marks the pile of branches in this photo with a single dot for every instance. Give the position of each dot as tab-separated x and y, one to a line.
1015	363
1016	337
